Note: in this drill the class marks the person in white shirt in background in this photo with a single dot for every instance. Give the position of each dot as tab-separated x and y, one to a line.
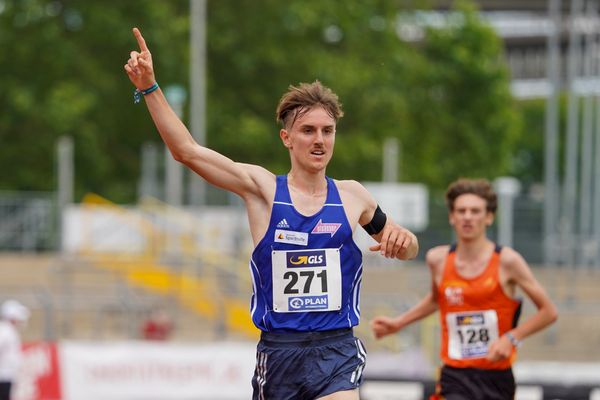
13	315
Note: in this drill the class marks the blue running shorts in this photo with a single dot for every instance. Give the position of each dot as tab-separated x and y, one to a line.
307	365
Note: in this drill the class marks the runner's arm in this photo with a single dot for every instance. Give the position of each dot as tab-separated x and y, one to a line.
383	326
521	274
393	240
242	179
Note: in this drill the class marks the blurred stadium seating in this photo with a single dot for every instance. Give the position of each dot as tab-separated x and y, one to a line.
195	265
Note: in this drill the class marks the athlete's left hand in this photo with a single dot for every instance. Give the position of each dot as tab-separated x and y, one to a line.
396	242
500	349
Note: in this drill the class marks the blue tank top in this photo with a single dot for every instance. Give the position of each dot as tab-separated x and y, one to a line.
306	270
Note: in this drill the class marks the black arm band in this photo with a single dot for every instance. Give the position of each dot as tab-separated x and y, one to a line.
377	223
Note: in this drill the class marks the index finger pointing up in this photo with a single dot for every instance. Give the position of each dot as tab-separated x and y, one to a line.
140	39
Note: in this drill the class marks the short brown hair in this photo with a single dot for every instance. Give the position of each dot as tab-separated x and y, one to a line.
302	98
479	187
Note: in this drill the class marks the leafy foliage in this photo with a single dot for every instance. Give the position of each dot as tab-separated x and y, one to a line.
62	75
468	120
446	99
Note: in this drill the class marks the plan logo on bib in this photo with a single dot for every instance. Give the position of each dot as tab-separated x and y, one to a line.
308	303
326	227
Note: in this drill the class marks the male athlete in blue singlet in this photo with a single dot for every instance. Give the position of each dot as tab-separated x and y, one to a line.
306	268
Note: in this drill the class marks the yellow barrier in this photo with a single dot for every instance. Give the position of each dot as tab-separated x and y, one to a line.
201	295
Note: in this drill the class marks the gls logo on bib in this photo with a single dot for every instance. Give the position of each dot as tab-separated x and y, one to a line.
306	259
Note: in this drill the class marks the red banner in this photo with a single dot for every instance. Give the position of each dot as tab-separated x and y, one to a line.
39	378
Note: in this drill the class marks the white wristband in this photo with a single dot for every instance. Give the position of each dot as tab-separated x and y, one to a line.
515	342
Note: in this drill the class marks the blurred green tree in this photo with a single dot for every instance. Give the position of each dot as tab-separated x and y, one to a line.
445	98
463	108
259	48
62	74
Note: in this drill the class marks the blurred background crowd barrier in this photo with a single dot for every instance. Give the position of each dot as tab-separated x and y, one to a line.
96	271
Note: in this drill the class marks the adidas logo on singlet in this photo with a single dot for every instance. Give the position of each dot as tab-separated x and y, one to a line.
283	224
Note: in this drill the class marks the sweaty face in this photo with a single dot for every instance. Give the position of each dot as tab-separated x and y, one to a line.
311	139
470	217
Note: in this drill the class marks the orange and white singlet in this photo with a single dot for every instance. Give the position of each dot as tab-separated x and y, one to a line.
474	312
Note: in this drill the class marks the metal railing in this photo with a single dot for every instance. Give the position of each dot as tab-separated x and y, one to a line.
28	221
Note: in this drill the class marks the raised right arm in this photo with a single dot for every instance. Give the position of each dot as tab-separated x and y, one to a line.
243	179
215	168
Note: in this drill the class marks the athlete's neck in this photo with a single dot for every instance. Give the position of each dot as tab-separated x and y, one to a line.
308	194
472	257
471	250
307	184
